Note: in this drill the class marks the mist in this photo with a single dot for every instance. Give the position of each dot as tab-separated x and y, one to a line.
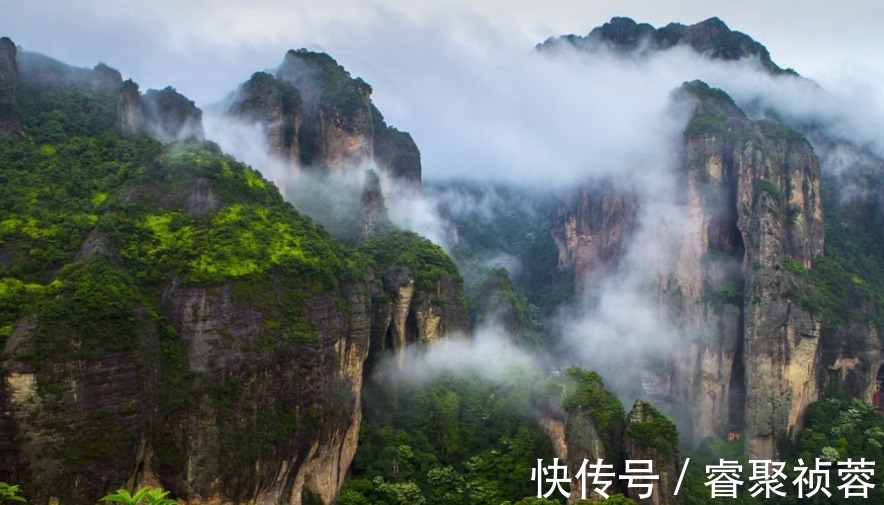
487	115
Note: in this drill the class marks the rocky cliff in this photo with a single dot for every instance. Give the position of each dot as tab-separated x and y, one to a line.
592	425
772	177
650	436
168	319
752	192
277	107
315	115
165	115
9	118
711	37
592	231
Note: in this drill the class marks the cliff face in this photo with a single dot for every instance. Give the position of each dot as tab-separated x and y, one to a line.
189	328
165	115
590	426
245	390
651	436
277	106
314	114
754	187
592	231
751	190
9	118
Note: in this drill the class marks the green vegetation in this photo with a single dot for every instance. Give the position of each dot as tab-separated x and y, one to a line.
654	430
453	440
703	91
778	130
715	114
846	283
516	221
617	499
585	391
707	122
837	428
144	496
727	293
771	189
335	85
495	296
10	493
118	245
425	260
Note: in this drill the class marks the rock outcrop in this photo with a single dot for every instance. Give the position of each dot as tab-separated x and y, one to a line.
751	190
590	427
592	231
213	392
277	107
165	115
650	436
710	37
407	313
228	370
315	115
373	218
9	116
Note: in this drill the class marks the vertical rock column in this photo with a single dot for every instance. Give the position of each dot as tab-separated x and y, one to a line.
10	123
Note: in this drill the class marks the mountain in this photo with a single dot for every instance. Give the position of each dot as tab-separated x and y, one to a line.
711	37
747	285
167	318
314	114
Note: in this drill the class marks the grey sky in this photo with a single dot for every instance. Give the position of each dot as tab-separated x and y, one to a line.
205	48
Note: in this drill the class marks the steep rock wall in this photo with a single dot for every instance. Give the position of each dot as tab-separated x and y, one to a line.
592	231
315	115
9	116
751	193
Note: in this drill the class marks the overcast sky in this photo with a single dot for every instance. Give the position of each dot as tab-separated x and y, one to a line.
204	48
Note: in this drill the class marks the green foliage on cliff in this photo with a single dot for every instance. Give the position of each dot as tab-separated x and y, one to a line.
117	244
846	284
425	260
716	113
333	82
398	139
455	439
585	392
706	122
509	219
771	189
703	91
495	299
777	130
52	117
836	429
653	430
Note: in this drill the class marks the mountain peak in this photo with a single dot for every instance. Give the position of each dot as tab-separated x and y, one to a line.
711	37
